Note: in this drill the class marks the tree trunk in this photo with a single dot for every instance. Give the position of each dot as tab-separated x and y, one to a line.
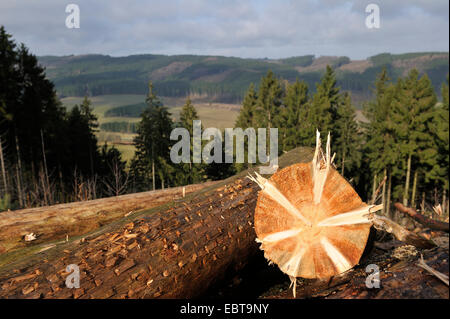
19	187
19	175
61	185
388	203
383	195
433	214
153	175
174	253
422	205
444	202
374	188
413	196
47	180
291	233
2	161
408	173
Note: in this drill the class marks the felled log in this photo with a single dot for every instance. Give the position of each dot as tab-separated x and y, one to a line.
309	219
55	222
423	220
175	253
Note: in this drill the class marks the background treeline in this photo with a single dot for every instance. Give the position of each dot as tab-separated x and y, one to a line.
224	79
130	110
120	127
48	155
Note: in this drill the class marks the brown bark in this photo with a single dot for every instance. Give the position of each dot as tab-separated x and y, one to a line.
383	196
2	162
19	175
388	203
425	221
174	253
374	189
413	196
153	175
408	175
444	202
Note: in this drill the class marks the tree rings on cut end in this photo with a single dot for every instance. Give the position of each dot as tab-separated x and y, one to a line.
306	238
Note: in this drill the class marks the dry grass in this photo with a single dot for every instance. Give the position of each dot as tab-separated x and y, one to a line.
356	66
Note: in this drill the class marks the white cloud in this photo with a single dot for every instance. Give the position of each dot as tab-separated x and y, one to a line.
254	28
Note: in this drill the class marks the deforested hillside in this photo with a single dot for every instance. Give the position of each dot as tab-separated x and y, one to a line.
224	79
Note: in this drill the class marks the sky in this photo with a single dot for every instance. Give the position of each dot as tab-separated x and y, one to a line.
242	28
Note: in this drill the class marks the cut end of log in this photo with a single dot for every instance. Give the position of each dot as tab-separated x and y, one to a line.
309	220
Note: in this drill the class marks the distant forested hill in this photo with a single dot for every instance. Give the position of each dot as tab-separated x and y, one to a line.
225	79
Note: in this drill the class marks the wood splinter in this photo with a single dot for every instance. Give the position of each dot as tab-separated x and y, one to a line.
309	220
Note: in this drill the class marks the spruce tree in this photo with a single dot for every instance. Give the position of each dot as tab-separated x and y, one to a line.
82	142
151	162
348	141
269	100
189	173
247	119
294	116
91	121
441	136
380	150
323	111
413	112
113	171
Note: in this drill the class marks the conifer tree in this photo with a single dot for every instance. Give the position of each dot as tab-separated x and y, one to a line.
294	116
380	149
91	121
113	172
441	135
269	100
348	141
413	112
323	111
247	119
152	157
189	173
82	142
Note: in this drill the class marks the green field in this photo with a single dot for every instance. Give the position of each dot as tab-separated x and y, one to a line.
211	115
102	103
